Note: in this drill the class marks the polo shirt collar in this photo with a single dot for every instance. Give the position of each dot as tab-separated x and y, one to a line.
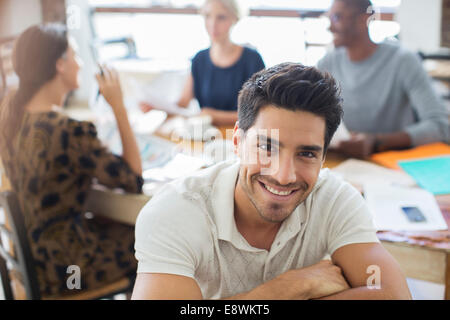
222	200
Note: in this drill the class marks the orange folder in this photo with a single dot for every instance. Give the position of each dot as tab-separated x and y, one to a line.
390	158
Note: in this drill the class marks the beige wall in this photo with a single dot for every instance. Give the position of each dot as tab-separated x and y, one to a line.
420	23
17	15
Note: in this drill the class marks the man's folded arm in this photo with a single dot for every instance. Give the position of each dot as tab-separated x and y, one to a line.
371	272
160	286
164	286
319	280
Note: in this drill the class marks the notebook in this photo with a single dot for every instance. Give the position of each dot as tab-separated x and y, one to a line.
390	158
432	174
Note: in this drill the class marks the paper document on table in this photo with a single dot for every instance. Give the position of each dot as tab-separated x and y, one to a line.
179	166
169	107
155	152
147	123
403	209
143	93
358	172
341	134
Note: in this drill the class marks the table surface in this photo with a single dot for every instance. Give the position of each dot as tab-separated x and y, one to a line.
439	240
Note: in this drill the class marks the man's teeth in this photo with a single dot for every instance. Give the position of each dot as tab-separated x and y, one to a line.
279	193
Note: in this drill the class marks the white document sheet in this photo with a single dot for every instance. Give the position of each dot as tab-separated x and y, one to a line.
385	203
169	107
154	96
147	123
359	172
179	166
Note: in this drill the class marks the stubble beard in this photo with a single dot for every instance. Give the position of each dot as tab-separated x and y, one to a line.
275	212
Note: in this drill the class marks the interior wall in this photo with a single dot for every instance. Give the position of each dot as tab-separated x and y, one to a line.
420	23
17	15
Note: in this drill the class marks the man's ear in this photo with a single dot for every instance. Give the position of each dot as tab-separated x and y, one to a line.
237	136
364	20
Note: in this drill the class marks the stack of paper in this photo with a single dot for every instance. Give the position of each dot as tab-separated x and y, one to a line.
179	166
359	172
147	123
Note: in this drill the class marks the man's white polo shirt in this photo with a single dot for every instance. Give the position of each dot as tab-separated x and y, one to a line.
188	229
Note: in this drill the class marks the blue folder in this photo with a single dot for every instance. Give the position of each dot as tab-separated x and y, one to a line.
432	174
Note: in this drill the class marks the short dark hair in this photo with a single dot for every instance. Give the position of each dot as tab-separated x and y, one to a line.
295	87
361	6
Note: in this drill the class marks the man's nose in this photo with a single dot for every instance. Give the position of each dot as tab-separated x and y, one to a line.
286	171
331	27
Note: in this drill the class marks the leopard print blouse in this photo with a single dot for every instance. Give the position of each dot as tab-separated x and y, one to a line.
52	166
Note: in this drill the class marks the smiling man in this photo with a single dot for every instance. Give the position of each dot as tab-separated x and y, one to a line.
260	227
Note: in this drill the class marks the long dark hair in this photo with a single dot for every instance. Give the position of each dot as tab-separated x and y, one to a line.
34	59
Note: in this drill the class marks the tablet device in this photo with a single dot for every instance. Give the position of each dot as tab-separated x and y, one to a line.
414	214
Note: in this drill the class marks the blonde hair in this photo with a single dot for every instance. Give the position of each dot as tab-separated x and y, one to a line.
231	5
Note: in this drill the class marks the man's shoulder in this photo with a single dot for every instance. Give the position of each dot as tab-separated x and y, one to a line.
170	214
187	196
392	46
331	188
335	202
328	179
398	53
202	181
335	52
331	58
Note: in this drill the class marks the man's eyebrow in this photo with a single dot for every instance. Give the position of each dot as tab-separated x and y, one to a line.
315	148
310	148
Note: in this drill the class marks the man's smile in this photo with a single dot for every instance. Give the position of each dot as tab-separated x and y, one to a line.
278	193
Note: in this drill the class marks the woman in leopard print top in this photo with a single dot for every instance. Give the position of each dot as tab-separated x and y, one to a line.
52	160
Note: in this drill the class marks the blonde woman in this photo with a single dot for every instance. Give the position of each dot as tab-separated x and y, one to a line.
218	72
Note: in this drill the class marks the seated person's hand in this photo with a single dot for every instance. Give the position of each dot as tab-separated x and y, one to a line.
208	112
110	88
146	107
327	279
361	145
322	279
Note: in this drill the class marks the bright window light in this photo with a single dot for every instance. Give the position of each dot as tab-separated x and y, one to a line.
180	36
